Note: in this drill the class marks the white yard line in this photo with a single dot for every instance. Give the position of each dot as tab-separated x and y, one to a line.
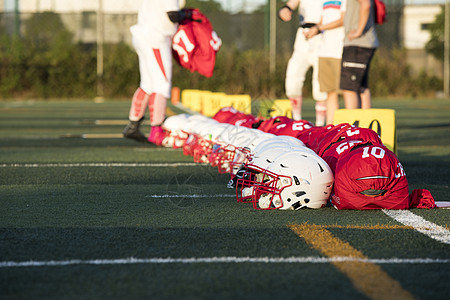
226	259
432	230
67	165
190	196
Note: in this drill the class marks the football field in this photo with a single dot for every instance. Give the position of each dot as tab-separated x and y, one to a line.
86	214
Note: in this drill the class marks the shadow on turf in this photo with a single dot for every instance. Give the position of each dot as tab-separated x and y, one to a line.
183	188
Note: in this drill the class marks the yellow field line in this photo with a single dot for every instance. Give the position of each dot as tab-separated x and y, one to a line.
102	135
169	112
111	122
377	227
368	227
368	278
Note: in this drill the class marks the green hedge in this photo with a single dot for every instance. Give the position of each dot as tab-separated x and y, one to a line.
45	63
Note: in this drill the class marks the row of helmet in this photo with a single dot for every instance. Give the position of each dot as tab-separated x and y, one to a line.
270	171
279	163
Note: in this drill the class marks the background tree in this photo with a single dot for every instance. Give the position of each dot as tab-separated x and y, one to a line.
205	5
435	45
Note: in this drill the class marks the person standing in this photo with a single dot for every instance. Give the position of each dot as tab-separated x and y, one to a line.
304	56
331	27
360	44
152	39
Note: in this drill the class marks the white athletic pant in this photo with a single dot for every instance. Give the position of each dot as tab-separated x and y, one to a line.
155	63
304	56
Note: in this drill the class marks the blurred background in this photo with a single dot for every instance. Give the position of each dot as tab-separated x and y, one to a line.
82	49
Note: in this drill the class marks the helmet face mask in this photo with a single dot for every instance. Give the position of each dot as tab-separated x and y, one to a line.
215	158
280	192
239	159
292	180
267	194
226	155
189	145
203	141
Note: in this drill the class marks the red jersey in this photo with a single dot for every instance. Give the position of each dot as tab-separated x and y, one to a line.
247	121
312	137
225	114
293	128
338	150
421	198
195	44
346	132
278	127
232	116
271	123
370	177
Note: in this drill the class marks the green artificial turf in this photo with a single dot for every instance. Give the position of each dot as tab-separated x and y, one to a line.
69	199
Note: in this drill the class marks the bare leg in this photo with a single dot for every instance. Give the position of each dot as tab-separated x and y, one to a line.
332	106
366	99
351	99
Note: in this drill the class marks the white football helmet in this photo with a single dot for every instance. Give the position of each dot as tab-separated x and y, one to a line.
265	151
195	127
294	180
211	141
234	140
254	171
287	142
241	149
208	132
290	140
174	126
260	137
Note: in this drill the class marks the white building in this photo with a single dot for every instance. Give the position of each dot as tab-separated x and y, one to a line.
72	6
80	17
416	20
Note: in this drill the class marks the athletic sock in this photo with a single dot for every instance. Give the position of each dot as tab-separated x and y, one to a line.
321	113
296	104
138	105
157	107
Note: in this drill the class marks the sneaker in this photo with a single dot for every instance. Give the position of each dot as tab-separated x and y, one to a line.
132	131
156	135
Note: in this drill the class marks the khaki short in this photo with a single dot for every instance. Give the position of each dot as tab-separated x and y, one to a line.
329	74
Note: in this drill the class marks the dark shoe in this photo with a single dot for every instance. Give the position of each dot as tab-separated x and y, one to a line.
132	131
